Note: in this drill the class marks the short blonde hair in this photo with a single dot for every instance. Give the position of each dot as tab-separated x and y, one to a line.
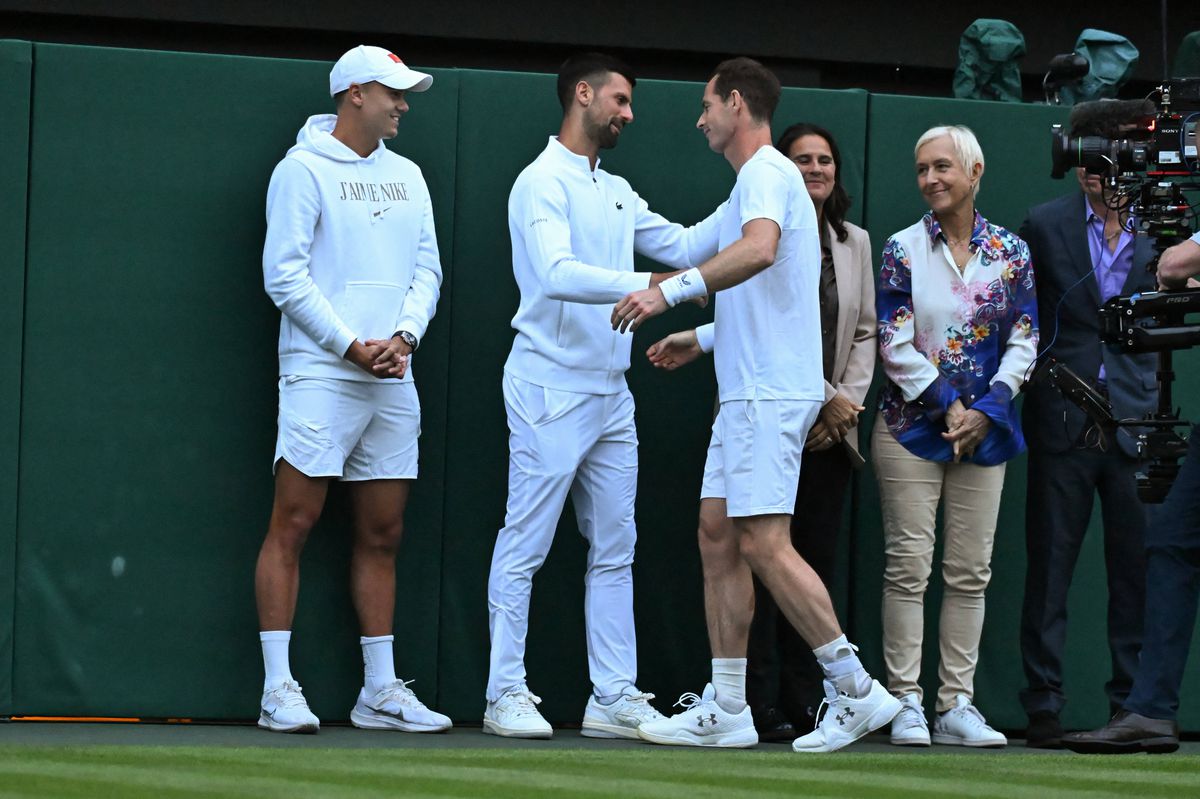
966	148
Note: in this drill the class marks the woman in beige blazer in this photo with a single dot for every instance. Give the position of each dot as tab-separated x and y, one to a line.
784	708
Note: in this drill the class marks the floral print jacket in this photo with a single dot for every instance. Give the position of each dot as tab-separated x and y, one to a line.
946	335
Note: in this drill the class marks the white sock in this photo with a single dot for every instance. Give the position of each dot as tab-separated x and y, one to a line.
275	657
839	660
379	669
729	678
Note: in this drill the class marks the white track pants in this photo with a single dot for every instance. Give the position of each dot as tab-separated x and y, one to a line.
560	441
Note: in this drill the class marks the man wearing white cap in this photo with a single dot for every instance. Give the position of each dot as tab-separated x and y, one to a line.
352	262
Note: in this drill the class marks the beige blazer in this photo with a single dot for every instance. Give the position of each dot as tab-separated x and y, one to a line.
854	354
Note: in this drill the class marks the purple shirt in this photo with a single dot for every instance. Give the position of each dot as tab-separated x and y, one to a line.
1111	268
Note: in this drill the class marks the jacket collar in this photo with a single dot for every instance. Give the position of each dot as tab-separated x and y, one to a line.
575	161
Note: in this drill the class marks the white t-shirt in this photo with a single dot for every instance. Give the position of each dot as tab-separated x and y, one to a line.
767	330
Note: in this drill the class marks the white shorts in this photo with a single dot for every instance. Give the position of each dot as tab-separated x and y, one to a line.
754	456
348	429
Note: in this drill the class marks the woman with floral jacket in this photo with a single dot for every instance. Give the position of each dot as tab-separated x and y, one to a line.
957	331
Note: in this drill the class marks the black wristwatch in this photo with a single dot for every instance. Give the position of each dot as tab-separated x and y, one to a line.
407	338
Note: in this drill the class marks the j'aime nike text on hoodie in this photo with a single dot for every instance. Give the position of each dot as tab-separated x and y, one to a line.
574	231
350	251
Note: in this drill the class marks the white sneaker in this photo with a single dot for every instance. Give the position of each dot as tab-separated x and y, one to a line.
396	707
284	709
515	715
620	719
964	725
846	719
702	723
910	728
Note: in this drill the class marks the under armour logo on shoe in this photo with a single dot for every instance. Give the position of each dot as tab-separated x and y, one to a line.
848	714
711	720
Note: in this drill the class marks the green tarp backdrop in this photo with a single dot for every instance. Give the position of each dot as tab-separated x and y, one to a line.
138	406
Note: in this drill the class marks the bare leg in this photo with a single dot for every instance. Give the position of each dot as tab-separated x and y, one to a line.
765	543
378	525
728	587
298	503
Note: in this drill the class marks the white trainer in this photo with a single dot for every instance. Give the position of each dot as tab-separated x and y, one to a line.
396	707
620	719
702	723
846	719
515	715
910	728
284	709
964	725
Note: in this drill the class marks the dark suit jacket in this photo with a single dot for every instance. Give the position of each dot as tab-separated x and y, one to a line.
1057	236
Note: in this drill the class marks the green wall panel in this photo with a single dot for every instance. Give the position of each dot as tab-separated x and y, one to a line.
149	386
145	400
16	69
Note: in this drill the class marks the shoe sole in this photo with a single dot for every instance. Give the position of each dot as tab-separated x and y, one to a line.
302	729
909	742
953	740
592	729
742	739
492	728
379	721
1152	746
882	715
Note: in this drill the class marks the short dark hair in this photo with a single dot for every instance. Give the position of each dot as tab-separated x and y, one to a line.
839	201
589	67
758	86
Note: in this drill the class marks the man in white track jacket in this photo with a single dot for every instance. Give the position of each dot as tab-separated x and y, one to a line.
574	230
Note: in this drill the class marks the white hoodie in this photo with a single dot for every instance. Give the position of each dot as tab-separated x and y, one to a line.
350	251
574	231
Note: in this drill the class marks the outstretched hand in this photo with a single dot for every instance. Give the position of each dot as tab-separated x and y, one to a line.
637	307
674	351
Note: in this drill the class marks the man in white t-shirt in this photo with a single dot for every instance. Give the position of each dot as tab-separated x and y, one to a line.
574	230
351	261
767	344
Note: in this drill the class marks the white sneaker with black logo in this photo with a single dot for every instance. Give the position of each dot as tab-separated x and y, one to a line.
964	725
284	709
515	715
620	719
702	723
396	707
842	719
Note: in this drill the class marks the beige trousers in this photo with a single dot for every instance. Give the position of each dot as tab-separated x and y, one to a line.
910	488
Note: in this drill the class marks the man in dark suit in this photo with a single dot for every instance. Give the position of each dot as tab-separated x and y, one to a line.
1083	255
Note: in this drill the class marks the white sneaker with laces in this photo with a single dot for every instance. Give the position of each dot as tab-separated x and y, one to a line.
847	719
284	709
910	728
396	707
620	719
964	725
515	715
702	723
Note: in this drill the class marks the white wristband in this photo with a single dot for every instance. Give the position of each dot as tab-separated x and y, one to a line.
683	287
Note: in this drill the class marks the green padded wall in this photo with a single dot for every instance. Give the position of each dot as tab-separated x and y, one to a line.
669	164
1016	147
145	475
16	69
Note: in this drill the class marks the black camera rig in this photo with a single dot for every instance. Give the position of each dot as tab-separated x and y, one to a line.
1146	173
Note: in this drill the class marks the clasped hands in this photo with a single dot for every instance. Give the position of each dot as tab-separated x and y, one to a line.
382	358
966	429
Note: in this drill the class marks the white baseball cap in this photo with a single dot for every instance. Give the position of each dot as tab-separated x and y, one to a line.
364	64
